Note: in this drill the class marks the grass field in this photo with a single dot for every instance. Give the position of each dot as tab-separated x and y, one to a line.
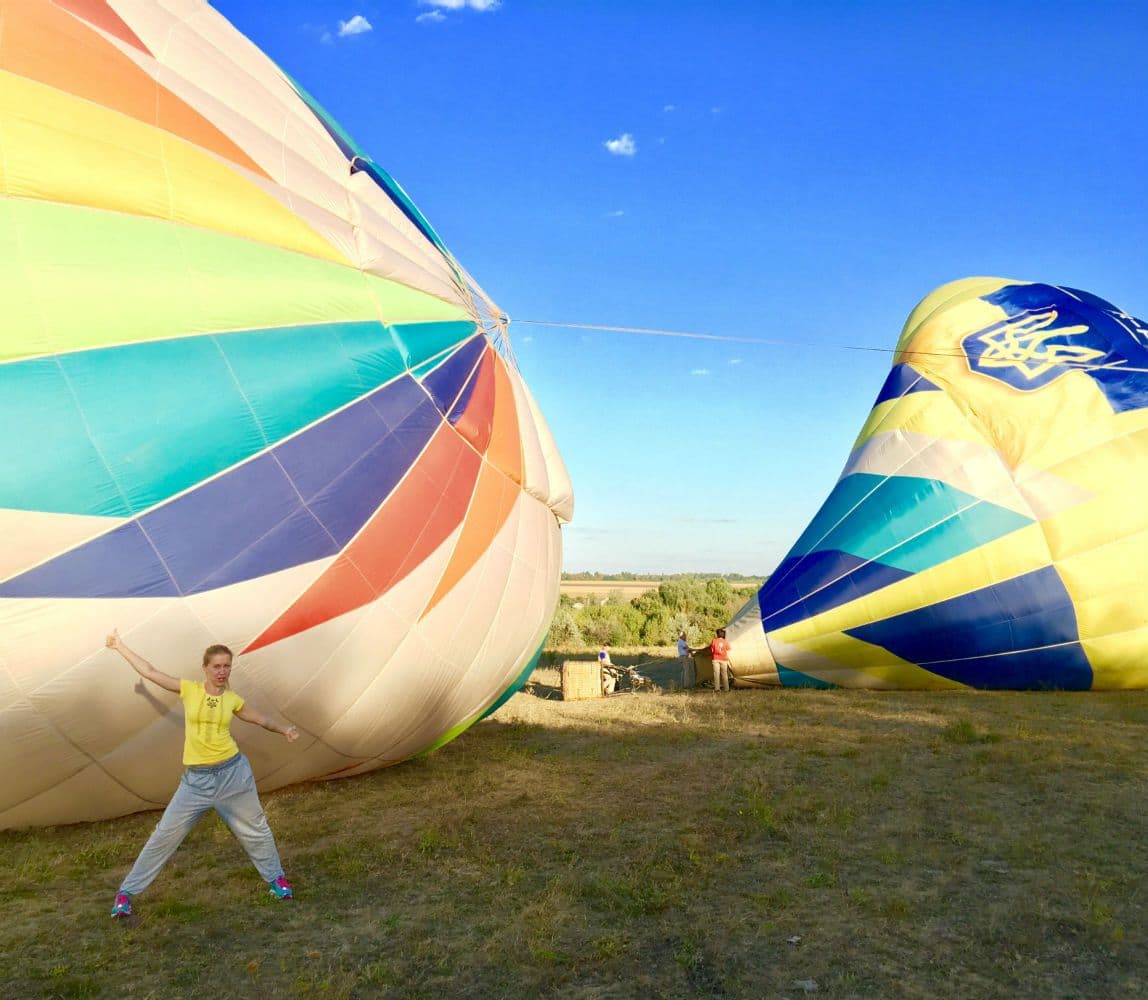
672	845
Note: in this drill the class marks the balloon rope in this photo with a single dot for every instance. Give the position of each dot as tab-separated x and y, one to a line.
820	345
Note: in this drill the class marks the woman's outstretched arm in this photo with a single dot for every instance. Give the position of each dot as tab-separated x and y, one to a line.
140	665
248	714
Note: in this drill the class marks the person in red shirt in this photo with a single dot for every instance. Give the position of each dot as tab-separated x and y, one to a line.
719	651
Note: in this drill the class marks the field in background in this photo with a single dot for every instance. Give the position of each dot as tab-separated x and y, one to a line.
671	845
629	589
601	589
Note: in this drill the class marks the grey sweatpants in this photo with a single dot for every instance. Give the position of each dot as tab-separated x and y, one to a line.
229	789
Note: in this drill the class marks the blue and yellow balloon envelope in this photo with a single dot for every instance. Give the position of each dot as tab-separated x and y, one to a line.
989	529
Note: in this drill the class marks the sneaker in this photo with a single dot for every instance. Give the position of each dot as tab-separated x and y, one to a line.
280	889
123	905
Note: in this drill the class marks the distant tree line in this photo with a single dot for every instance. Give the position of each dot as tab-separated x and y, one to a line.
624	577
682	603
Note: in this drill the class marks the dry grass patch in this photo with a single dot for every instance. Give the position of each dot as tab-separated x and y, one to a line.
673	845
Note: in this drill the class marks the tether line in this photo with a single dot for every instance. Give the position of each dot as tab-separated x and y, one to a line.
811	344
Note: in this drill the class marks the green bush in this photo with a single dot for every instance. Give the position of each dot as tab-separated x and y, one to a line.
654	618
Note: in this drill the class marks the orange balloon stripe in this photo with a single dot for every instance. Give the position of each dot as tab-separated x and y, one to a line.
30	46
498	486
426	507
340	588
477	420
505	451
438	504
493	501
98	12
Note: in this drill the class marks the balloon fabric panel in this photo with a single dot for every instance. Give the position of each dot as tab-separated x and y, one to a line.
249	397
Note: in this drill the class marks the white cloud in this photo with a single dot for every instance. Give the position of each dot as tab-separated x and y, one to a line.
617	214
527	340
735	361
700	371
479	5
670	107
624	145
715	110
431	17
357	25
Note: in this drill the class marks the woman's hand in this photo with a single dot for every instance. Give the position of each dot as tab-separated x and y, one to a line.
140	665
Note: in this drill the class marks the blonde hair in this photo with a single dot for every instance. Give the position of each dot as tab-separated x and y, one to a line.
215	651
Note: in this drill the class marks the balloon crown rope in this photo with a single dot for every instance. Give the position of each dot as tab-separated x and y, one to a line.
906	355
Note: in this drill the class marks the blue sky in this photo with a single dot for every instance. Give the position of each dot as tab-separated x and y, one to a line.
801	171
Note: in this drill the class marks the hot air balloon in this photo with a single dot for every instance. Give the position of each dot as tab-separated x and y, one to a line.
248	397
989	529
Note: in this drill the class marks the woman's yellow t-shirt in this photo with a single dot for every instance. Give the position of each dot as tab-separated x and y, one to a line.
207	723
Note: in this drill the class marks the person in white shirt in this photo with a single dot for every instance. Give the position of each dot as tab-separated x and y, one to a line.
609	679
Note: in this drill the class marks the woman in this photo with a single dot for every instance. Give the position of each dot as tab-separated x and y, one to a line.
719	651
217	777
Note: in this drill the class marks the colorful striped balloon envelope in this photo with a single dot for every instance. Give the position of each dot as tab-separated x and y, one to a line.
248	397
990	528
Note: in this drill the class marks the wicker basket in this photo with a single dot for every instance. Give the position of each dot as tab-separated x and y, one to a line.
581	679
